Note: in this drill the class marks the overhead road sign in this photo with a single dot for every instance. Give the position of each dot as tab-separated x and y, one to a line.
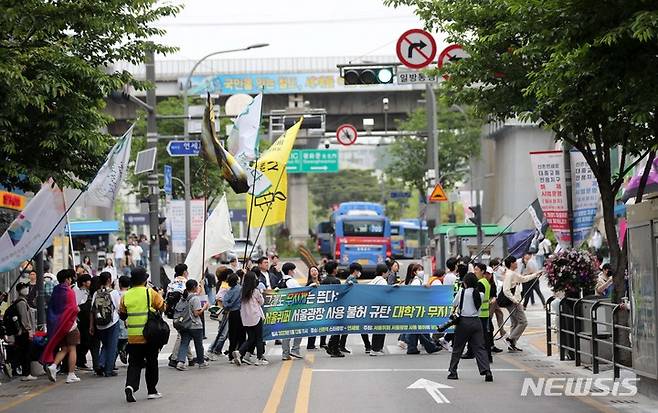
400	195
346	134
416	48
438	194
450	55
184	148
313	161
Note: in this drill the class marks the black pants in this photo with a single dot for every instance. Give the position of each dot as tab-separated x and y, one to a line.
23	351
529	290
334	342
469	330
142	356
88	344
236	332
254	339
364	337
488	336
378	342
311	342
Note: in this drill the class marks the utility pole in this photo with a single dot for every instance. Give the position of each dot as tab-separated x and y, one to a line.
568	187
186	172
433	155
41	299
154	187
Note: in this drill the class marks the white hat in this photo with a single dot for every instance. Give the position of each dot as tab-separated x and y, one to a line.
490	270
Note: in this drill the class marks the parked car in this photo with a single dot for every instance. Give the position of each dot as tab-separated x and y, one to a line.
239	251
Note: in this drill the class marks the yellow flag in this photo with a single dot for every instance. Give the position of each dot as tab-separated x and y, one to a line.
269	208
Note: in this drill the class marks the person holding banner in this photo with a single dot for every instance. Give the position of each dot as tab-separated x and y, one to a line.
288	281
251	312
379	339
353	278
333	348
314	279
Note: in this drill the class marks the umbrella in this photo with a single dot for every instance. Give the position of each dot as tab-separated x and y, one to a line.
633	185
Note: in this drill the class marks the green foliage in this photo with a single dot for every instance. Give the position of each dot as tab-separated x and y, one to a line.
459	135
328	190
54	78
214	184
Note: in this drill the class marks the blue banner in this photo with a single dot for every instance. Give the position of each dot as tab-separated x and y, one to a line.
356	309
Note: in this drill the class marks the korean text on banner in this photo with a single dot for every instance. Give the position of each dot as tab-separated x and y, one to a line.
585	197
31	228
548	171
269	208
219	238
103	189
176	222
350	309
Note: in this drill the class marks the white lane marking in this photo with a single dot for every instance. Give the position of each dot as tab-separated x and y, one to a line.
406	370
433	388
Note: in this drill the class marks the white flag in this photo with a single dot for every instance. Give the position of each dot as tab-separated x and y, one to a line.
103	189
243	139
31	228
219	238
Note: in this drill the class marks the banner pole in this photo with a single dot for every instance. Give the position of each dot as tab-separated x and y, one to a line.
253	199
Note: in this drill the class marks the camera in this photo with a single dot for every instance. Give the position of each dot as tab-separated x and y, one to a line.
452	321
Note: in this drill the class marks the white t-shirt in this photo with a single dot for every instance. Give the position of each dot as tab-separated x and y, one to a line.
136	252
450	278
291	282
116	302
416	281
378	280
119	250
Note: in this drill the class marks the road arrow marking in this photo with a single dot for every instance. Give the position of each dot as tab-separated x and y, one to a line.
433	388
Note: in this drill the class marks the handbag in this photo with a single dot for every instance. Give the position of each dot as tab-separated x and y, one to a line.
156	330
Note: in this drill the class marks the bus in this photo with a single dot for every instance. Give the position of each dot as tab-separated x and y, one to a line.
408	238
323	233
362	233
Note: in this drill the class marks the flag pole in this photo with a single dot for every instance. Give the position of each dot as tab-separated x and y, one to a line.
205	218
253	198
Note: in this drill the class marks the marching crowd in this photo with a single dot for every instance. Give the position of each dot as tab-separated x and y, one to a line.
106	317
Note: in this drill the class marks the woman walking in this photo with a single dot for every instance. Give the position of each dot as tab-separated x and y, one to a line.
415	277
231	300
314	279
251	312
469	329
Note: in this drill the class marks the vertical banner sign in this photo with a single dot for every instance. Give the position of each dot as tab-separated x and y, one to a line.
585	197
548	170
176	221
352	309
197	216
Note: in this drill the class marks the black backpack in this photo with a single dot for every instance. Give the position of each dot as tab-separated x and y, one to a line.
10	318
173	297
283	283
103	307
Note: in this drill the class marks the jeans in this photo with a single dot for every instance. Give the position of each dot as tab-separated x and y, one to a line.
109	338
236	332
425	341
195	334
142	356
519	321
285	346
177	346
222	335
163	257
254	339
469	330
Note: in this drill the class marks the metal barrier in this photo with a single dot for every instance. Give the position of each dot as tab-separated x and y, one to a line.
569	333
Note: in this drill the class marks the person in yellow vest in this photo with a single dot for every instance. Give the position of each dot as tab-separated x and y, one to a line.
483	286
134	309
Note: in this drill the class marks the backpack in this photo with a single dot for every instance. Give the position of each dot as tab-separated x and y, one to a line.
103	307
182	315
10	318
283	283
172	299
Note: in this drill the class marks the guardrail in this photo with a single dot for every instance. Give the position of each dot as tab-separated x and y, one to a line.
570	331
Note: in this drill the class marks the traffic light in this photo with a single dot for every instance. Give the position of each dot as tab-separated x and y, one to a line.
476	219
367	74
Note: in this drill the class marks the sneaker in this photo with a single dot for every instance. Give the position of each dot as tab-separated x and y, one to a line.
51	372
236	358
445	344
84	367
296	355
247	359
6	368
111	374
212	357
337	354
173	363
488	377
434	350
413	352
204	365
261	362
191	363
495	349
286	358
123	356
368	349
130	397
154	396
453	376
345	350
311	348
402	344
72	378
29	377
323	346
181	366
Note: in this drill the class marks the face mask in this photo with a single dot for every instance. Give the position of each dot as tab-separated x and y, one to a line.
24	291
420	273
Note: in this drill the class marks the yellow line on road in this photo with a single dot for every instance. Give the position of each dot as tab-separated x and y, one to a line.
274	400
20	400
304	390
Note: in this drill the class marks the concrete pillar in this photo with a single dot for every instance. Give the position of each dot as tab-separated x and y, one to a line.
297	212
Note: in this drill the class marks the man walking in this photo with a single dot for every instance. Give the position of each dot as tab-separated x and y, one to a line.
288	281
175	291
512	293
134	308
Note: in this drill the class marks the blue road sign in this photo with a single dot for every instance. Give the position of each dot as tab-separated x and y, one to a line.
184	148
400	195
167	179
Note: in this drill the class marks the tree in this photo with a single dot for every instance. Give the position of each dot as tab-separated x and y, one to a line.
328	190
586	76
459	134
54	78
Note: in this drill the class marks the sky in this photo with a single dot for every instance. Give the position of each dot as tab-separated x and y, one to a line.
291	27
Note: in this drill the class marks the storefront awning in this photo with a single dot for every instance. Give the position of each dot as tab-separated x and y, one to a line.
97	227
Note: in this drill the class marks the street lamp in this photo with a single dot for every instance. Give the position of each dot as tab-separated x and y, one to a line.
186	161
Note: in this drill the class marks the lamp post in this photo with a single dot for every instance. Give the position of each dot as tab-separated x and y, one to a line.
186	161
